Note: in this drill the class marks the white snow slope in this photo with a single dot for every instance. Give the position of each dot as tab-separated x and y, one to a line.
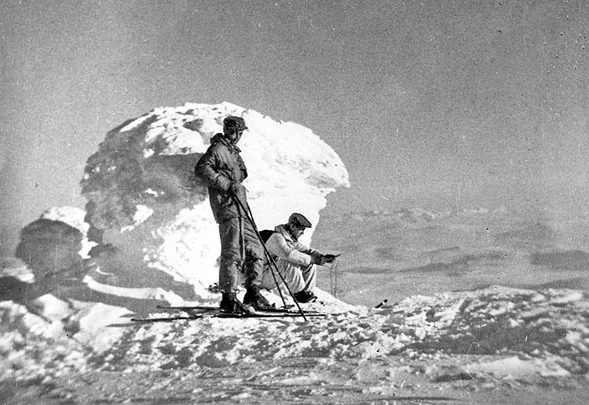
491	338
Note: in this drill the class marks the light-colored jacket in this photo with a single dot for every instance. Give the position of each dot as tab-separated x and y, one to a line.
287	251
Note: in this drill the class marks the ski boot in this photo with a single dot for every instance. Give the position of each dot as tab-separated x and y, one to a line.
231	305
255	299
304	297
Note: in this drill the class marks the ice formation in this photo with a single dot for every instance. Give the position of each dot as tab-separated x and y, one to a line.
141	182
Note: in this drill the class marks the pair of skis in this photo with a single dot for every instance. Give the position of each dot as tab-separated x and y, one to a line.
203	312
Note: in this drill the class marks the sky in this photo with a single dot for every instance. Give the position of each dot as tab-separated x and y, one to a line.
443	104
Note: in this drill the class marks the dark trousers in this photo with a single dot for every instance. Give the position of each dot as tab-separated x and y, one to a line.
240	249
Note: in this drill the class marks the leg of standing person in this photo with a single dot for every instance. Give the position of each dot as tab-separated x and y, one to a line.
230	232
254	267
230	254
254	256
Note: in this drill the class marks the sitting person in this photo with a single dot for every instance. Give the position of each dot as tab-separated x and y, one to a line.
296	262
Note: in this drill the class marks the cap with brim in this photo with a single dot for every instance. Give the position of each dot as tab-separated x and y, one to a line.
299	221
232	122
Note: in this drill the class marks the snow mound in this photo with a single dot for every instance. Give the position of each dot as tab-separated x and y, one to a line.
141	182
51	245
74	217
71	216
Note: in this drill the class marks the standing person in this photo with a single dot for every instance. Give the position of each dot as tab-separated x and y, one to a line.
296	262
223	170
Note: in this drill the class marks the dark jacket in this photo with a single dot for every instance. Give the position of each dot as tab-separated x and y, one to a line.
220	167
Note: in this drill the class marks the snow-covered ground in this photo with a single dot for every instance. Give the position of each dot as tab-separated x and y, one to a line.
493	339
483	306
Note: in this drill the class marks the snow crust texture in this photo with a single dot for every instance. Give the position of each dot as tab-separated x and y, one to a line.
493	336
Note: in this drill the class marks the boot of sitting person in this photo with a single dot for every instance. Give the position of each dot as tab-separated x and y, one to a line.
304	296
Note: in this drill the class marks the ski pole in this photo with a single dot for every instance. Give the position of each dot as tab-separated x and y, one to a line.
334	266
271	270
331	280
273	274
250	218
275	266
273	262
278	287
283	281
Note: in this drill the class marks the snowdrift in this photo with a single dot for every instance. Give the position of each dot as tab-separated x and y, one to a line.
490	337
56	241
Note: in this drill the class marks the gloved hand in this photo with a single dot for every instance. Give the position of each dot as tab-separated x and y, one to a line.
237	188
329	258
319	260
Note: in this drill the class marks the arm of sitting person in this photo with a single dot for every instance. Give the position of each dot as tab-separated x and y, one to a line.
314	253
318	257
278	246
